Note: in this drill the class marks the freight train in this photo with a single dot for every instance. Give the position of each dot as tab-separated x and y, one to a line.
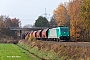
61	33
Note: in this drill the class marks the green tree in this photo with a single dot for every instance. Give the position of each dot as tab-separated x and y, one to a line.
41	22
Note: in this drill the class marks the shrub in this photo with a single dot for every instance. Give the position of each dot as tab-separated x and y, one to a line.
27	37
31	38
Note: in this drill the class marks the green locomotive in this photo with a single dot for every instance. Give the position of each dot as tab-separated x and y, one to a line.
59	33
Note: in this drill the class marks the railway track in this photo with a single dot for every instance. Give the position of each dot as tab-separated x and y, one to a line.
79	44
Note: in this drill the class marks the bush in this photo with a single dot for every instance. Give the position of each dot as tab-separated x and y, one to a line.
31	38
7	33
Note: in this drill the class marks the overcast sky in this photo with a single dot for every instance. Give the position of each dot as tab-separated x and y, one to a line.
28	10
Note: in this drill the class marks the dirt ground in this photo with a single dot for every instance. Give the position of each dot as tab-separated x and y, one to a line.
74	50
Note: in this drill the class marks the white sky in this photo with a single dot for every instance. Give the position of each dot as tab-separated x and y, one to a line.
28	10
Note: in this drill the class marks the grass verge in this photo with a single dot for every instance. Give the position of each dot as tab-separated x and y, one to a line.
13	52
48	55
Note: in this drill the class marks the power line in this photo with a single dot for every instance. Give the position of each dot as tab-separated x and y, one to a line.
46	14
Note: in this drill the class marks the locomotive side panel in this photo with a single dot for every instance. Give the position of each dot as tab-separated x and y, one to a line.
52	33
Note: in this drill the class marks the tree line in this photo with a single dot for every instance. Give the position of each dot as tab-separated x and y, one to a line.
76	15
5	24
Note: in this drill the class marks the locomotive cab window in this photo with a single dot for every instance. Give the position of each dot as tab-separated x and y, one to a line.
64	29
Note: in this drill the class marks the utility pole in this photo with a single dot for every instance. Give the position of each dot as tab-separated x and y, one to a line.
45	14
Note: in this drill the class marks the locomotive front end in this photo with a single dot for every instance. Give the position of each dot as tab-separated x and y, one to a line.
64	33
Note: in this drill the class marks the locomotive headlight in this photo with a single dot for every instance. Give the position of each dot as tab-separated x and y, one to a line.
68	35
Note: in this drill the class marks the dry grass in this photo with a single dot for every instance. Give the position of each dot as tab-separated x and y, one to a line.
60	50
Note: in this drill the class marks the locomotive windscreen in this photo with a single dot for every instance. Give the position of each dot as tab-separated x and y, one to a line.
64	29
